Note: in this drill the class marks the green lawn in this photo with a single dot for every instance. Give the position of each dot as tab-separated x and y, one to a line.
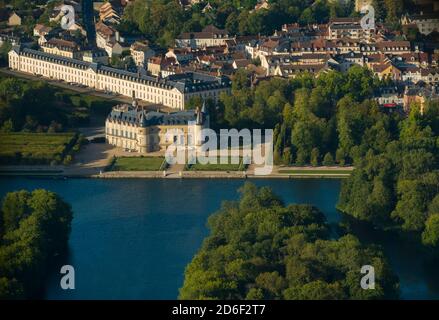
217	167
137	164
317	171
35	148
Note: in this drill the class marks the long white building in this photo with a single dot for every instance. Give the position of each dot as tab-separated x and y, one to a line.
174	91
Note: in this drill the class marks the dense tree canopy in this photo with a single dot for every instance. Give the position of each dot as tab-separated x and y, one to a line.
396	182
313	117
261	249
34	227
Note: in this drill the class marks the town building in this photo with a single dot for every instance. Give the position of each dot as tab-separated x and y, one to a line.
110	12
14	20
63	48
426	22
209	36
141	52
96	56
339	28
41	30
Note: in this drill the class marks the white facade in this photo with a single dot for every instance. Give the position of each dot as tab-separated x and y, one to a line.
173	93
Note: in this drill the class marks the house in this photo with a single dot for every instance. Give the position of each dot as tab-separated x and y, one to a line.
180	55
141	52
262	4
419	95
61	47
157	64
209	36
347	60
387	70
14	20
41	30
390	97
241	63
426	22
114	48
393	47
430	76
292	71
110	12
95	56
339	28
104	33
273	46
411	74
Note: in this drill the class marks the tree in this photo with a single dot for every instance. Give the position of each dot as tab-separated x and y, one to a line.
315	157
328	160
430	236
36	227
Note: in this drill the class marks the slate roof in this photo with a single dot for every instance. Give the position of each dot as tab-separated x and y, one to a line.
142	118
186	82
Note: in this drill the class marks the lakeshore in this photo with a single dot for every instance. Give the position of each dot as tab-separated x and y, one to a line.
133	238
86	172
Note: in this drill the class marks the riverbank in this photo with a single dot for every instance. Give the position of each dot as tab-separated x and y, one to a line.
79	172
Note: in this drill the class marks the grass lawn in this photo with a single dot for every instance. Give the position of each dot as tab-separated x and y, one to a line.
34	148
217	167
137	164
317	171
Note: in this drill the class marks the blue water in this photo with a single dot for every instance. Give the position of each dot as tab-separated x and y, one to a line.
131	239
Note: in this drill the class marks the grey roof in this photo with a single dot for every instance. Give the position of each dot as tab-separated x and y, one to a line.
186	82
144	118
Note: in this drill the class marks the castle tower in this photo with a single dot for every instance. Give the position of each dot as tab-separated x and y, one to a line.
142	134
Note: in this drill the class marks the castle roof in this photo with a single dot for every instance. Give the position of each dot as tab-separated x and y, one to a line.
142	118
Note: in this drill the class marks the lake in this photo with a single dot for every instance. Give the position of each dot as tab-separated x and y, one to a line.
132	239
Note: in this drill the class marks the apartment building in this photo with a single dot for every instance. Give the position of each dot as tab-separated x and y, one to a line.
208	37
61	47
141	52
339	28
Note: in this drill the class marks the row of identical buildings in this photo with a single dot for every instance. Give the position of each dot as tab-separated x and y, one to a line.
174	91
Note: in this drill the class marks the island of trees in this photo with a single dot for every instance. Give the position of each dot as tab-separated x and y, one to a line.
34	229
261	249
